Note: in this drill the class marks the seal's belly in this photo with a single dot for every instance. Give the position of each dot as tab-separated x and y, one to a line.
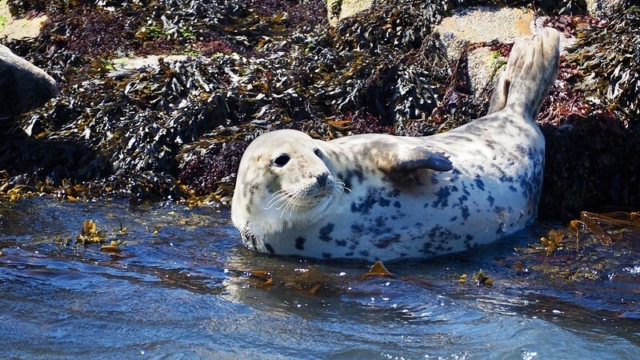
450	213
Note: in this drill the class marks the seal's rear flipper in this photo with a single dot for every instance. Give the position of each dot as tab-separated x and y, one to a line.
529	75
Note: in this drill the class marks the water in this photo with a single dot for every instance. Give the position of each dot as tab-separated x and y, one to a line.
182	287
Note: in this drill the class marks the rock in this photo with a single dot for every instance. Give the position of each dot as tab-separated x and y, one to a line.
473	24
468	26
126	66
340	9
23	86
15	28
603	8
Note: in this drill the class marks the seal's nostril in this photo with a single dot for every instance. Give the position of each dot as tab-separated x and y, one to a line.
322	179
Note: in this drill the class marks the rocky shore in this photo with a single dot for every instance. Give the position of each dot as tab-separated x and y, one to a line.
157	100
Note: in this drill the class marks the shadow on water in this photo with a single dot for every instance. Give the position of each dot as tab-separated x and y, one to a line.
182	286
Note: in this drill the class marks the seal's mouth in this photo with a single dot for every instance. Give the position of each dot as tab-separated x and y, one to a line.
304	199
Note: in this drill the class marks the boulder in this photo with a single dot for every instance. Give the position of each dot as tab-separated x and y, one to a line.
23	86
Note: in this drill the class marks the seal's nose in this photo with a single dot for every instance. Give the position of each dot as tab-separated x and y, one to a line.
322	179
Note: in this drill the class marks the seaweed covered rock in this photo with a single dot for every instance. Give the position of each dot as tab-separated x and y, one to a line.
592	123
608	63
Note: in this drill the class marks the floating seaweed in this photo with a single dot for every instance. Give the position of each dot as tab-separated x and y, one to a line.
595	247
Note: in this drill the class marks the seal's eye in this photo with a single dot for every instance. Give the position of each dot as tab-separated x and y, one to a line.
281	160
317	152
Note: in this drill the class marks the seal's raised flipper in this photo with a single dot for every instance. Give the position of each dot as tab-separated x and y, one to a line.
421	157
408	158
529	75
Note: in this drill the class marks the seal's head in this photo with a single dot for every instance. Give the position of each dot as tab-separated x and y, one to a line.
285	180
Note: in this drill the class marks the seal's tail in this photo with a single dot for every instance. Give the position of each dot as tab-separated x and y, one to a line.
529	75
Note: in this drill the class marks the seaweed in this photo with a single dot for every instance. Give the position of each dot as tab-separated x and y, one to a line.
608	62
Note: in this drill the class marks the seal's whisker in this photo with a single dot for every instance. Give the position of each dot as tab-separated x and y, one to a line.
277	198
282	202
289	205
342	186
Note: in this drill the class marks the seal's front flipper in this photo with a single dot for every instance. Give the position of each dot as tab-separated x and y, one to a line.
393	154
421	157
409	158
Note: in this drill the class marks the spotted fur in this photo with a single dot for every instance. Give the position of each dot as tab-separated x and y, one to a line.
382	197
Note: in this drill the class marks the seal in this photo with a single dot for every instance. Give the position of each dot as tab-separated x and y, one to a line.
384	197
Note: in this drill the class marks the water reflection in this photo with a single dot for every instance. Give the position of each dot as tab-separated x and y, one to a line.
183	287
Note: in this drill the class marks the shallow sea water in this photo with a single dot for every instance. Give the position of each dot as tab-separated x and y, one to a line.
184	287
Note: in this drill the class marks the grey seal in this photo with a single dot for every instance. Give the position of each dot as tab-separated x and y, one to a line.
384	197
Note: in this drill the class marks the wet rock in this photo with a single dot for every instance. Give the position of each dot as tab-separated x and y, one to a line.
23	86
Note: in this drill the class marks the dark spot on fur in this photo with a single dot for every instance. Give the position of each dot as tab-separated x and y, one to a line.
491	200
341	243
397	204
364	253
464	189
325	232
327	256
385	242
456	175
300	243
426	248
465	212
443	197
373	197
479	183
